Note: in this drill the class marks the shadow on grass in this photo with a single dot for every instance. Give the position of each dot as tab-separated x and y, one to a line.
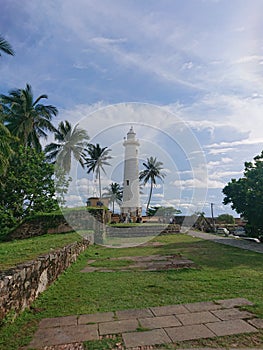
213	255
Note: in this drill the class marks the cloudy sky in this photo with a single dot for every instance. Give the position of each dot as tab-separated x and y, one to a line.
187	74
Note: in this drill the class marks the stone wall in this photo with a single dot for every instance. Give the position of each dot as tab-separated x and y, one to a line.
59	223
21	285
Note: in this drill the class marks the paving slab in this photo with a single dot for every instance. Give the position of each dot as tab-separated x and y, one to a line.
189	332
58	321
143	263
159	322
162	324
231	314
98	317
117	327
133	313
63	335
256	322
231	327
197	318
72	346
235	302
202	306
148	338
169	310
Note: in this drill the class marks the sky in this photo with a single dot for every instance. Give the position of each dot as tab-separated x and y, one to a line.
186	74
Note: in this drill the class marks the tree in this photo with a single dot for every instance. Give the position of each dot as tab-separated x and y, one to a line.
62	181
152	171
6	150
5	47
26	118
114	193
28	186
95	160
163	211
226	219
245	195
71	141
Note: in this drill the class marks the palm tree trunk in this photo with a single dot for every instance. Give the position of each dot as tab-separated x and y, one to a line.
113	206
99	184
150	196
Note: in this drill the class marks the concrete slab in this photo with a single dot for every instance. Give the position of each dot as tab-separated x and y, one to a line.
153	337
117	327
159	322
98	317
230	327
202	306
58	321
197	318
256	322
189	332
169	310
235	302
63	335
133	313
231	314
72	346
143	263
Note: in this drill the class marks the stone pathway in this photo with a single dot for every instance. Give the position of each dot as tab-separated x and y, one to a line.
141	263
234	242
148	327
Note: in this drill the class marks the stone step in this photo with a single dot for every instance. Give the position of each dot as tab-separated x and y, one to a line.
140	231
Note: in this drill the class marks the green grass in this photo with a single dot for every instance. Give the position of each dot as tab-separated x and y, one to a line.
105	344
121	242
223	272
106	263
19	251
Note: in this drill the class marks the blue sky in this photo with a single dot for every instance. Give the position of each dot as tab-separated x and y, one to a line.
186	73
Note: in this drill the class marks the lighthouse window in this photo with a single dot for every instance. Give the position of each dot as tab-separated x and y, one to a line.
127	182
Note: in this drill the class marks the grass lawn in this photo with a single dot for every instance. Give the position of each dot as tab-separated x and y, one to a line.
223	272
15	252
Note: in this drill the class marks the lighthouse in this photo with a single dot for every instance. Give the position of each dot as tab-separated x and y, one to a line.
131	191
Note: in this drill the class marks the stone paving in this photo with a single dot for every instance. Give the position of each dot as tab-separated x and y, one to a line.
150	326
142	263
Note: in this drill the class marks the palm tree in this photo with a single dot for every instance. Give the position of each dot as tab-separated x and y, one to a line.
152	171
25	118
114	193
6	150
71	141
96	160
5	47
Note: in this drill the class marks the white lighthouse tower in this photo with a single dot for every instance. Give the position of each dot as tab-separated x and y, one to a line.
131	190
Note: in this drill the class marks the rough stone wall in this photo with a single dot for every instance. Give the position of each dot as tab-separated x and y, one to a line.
59	223
21	285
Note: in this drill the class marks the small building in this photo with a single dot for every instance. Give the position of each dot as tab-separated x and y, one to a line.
97	202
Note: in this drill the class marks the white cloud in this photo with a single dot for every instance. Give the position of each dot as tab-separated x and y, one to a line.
217	175
197	184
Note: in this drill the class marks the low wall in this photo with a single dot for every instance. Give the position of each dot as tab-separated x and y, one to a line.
57	223
21	285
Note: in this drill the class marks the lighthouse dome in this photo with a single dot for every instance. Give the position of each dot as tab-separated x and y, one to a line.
131	134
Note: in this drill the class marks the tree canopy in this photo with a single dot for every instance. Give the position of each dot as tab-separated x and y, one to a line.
70	141
114	193
6	47
245	195
163	211
95	160
28	188
226	219
26	118
152	171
